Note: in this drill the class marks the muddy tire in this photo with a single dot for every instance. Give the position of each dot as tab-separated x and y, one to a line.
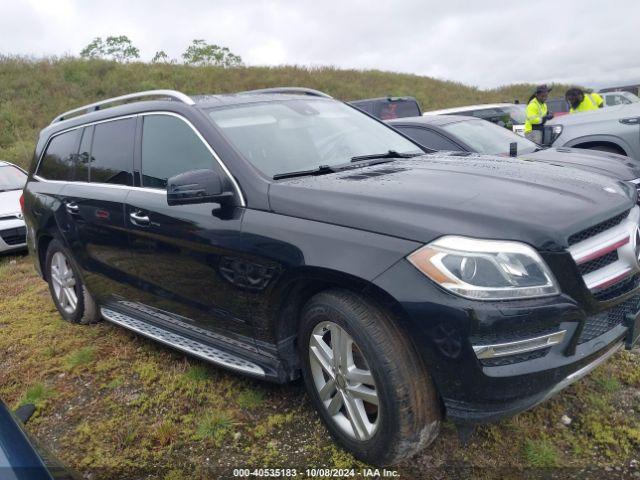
365	379
70	296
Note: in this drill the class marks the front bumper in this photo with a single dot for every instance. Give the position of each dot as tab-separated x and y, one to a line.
445	328
13	235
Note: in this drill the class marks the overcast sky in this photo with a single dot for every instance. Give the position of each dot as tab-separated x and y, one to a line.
485	43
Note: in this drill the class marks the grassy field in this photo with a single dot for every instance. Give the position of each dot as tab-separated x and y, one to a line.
33	92
114	405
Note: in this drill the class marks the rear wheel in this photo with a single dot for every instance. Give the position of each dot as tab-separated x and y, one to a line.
365	379
70	295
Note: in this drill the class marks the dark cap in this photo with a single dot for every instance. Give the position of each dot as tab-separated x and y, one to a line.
543	88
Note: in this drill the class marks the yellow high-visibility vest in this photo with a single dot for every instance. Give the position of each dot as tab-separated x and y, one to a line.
591	101
535	111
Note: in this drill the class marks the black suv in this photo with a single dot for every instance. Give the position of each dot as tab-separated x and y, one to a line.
286	233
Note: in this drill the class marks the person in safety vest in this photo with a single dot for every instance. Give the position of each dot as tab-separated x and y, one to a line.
537	114
579	101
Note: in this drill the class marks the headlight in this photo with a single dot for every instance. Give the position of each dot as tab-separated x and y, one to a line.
485	269
556	131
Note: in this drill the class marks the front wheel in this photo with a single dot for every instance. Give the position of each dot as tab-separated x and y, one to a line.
365	379
70	295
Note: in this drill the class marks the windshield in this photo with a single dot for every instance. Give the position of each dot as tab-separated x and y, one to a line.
11	178
518	114
298	135
485	137
630	97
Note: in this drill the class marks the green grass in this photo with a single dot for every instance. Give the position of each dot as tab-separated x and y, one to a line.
215	427
250	398
197	373
80	357
540	453
37	394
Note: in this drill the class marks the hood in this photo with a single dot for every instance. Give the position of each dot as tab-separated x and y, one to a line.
611	164
439	194
10	202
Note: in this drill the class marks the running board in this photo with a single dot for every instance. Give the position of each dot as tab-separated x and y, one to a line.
182	343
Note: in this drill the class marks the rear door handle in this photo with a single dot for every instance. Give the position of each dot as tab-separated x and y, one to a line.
72	208
139	219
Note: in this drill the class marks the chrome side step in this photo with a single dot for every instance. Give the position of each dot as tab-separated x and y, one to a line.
185	344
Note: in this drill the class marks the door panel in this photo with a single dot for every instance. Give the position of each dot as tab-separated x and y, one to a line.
96	234
181	256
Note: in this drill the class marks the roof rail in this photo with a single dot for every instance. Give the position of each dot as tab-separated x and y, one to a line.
92	107
289	90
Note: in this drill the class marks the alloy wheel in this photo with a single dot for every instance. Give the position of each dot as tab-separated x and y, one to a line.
344	381
64	283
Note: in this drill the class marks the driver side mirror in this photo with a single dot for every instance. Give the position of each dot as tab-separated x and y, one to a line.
197	186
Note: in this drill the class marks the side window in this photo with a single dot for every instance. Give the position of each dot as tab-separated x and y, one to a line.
170	147
111	159
59	160
428	138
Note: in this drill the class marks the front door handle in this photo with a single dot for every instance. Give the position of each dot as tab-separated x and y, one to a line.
139	219
72	208
630	121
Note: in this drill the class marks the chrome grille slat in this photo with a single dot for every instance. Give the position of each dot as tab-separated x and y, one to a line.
608	257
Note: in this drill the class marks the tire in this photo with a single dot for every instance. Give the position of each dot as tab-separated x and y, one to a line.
83	308
407	416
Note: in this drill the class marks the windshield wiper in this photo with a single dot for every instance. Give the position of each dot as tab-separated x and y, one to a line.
321	170
387	154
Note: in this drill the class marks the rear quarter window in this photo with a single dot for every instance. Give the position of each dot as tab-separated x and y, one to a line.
60	157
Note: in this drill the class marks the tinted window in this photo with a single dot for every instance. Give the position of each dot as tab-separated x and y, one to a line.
428	138
11	178
112	152
59	159
170	147
399	109
485	137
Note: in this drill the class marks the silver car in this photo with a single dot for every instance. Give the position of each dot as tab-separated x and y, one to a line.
613	129
13	235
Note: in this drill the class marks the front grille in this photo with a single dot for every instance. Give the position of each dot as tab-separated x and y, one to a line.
14	236
511	359
618	289
598	228
598	263
602	322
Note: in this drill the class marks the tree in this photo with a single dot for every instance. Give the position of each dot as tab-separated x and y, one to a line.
160	57
119	48
202	53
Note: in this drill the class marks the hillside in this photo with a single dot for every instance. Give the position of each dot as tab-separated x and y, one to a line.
32	92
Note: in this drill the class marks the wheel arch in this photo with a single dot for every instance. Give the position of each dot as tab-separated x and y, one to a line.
600	140
293	292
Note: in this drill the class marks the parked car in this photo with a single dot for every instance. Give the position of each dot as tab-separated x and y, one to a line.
387	108
619	98
21	458
280	235
469	134
509	115
613	129
12	230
